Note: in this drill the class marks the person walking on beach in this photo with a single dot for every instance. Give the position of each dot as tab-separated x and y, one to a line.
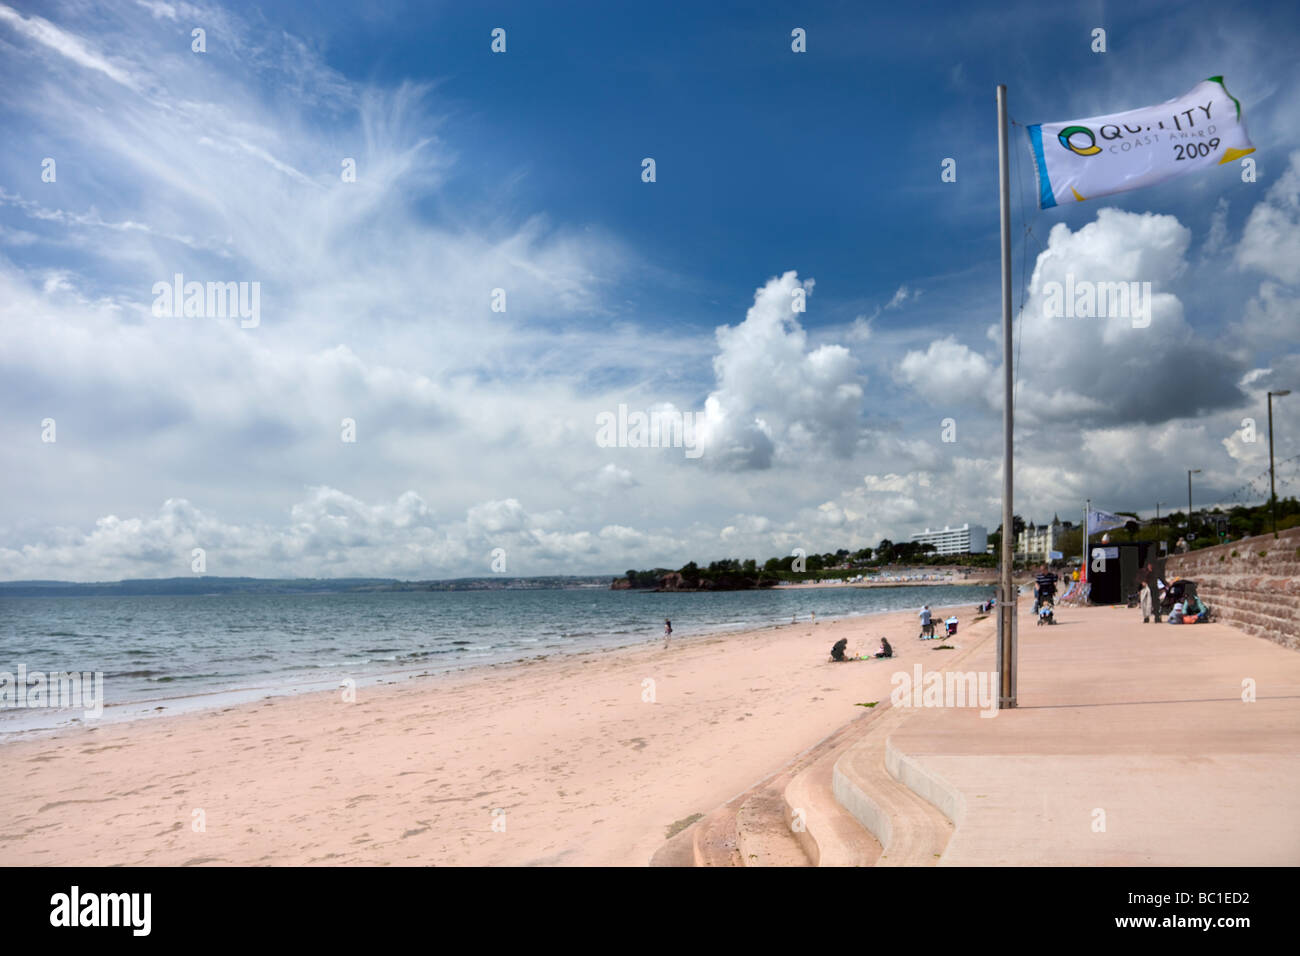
668	631
927	623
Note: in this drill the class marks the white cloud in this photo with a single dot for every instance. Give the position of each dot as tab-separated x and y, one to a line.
777	400
1270	241
474	427
1095	371
66	44
948	369
901	296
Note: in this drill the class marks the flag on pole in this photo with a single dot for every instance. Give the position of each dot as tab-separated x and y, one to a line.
1083	159
1104	521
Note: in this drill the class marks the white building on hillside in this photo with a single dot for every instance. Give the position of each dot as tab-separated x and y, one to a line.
968	539
1037	542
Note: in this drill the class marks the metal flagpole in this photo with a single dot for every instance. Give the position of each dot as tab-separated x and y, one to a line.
1083	569
1007	604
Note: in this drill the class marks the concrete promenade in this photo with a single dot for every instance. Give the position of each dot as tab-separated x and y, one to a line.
1132	745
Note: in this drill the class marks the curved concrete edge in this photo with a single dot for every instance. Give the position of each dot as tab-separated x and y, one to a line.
713	841
863	809
829	834
797	799
914	812
911	830
765	836
926	784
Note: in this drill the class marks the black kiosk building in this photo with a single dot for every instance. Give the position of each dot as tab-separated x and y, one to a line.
1113	569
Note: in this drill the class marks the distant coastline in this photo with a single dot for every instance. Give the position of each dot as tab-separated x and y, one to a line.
211	586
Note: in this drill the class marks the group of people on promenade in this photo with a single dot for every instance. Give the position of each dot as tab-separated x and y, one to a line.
1186	608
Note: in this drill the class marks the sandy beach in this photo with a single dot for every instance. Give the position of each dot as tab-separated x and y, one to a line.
584	759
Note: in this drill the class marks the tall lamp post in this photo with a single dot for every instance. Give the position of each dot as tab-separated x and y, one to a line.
1272	493
1190	472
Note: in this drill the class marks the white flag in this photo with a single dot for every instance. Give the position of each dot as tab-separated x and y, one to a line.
1083	159
1104	521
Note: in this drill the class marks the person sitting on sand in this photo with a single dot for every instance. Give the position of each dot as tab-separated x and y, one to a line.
885	649
837	652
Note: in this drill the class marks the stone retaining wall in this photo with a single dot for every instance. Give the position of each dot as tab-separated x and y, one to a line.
1252	584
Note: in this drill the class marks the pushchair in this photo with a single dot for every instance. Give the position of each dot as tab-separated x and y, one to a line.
1178	591
1045	615
950	626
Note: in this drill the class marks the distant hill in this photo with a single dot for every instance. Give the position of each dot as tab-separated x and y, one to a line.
204	585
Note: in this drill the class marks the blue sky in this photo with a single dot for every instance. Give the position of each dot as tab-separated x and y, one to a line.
775	170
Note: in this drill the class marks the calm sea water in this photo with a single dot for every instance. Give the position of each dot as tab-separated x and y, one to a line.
160	654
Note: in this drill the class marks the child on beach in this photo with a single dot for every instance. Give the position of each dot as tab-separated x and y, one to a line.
668	630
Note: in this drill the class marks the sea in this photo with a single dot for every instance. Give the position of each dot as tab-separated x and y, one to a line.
160	655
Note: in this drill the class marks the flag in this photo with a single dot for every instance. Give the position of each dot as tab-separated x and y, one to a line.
1104	521
1083	159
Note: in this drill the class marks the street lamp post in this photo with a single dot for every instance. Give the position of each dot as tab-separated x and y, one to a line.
1272	493
1190	472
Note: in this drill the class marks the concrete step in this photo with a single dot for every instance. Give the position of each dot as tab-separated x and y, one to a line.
910	817
714	841
829	834
835	804
710	841
764	817
764	835
910	830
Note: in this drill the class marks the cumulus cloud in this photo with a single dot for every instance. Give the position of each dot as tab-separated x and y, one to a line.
777	399
950	369
1101	370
